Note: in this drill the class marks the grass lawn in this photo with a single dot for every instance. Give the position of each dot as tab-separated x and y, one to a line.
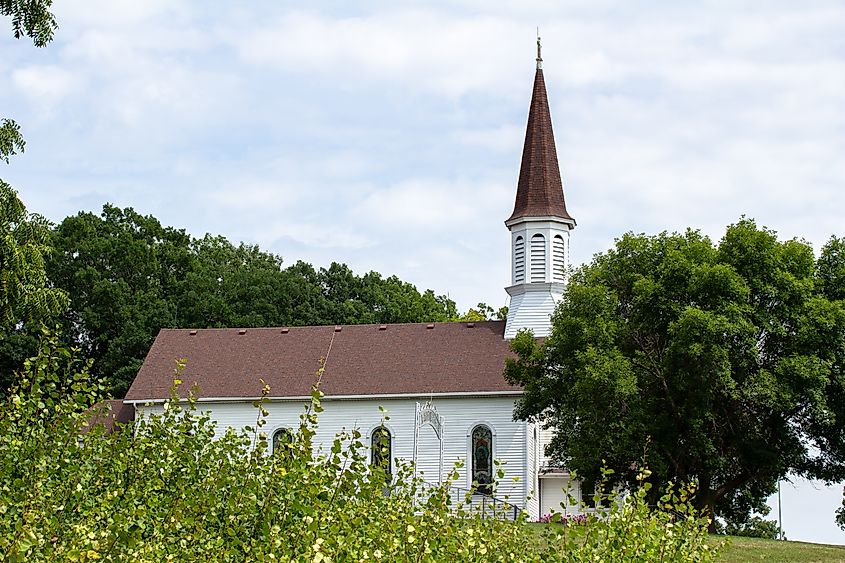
740	550
754	549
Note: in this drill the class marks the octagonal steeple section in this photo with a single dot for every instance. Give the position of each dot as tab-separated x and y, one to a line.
540	225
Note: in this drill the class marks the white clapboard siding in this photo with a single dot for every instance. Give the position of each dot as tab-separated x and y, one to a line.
555	492
461	416
532	309
546	435
532	443
555	481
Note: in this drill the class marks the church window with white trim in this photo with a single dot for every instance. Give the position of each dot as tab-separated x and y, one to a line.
380	449
282	442
482	458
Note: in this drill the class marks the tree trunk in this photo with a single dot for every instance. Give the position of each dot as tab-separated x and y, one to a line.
704	502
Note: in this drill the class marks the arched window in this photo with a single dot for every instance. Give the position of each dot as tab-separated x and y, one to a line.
380	454
519	260
482	458
558	258
538	258
282	442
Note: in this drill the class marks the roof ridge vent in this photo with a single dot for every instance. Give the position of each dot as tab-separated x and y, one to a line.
241	331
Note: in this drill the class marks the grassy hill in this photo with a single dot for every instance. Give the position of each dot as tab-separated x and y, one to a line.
754	549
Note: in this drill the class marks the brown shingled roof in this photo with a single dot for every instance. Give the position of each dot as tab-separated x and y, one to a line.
109	413
540	190
364	360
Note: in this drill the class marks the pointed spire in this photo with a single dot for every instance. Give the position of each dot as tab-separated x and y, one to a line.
539	192
539	48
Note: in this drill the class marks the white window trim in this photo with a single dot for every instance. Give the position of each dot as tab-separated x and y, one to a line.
469	458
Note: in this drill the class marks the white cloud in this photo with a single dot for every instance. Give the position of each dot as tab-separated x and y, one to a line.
434	51
507	138
424	203
44	86
317	234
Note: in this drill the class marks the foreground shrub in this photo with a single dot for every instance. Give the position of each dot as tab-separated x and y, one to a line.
565	519
167	490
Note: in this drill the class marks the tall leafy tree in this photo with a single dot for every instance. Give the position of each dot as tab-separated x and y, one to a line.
128	276
27	298
26	295
723	362
120	270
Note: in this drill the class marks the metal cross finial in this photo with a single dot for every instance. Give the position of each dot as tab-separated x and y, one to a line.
539	47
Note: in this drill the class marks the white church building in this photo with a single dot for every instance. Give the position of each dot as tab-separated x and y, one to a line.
442	384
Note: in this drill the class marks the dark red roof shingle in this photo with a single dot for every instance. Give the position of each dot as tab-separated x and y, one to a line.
364	360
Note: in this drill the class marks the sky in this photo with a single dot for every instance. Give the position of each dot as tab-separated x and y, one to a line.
387	135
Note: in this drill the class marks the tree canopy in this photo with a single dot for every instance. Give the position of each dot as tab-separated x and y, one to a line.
31	18
27	298
128	276
723	362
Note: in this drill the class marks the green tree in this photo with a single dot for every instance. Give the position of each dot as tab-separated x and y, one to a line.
725	360
26	295
26	298
483	312
31	18
129	276
370	298
121	270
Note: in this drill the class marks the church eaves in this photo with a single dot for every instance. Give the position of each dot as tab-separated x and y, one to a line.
540	190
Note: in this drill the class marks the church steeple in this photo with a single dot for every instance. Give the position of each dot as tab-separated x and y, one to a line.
539	192
539	225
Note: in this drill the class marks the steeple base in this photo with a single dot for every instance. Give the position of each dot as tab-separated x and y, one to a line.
531	307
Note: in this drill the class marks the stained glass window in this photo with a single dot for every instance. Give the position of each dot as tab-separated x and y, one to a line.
282	439
482	459
380	449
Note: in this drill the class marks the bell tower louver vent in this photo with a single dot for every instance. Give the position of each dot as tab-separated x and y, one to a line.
558	259
538	258
519	260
